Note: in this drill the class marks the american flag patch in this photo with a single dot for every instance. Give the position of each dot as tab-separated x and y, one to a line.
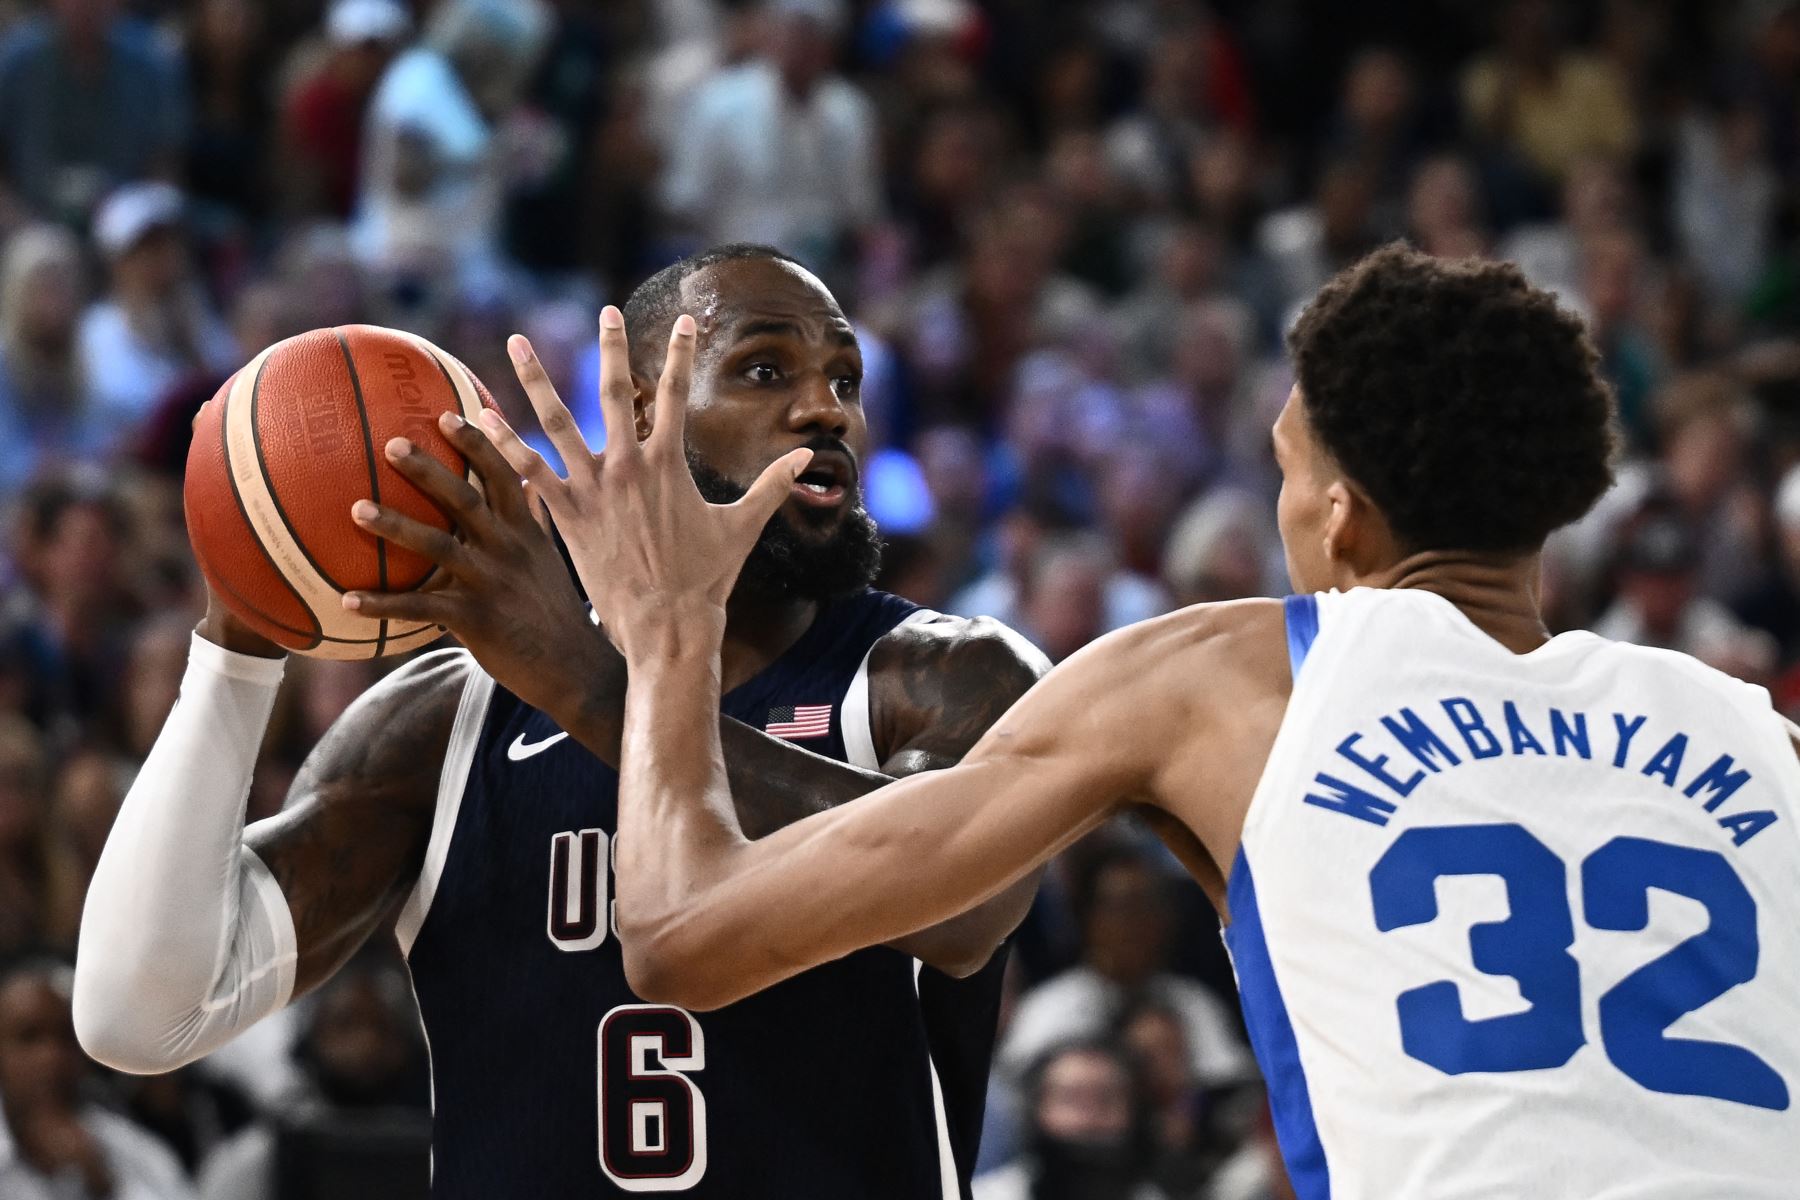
799	721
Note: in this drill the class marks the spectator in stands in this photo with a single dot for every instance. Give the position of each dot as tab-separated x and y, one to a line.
783	149
1772	602
1122	901
1659	603
84	801
45	413
1443	210
1088	1130
361	1057
88	101
24	782
67	624
1222	548
230	64
1549	104
434	161
1725	200
1195	1128
154	327
55	1143
323	117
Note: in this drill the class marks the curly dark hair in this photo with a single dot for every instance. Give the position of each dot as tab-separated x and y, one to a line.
1465	402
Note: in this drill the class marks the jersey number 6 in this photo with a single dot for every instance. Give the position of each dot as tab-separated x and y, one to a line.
1532	947
652	1116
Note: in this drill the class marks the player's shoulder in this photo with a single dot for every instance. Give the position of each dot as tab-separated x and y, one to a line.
1229	636
436	672
978	641
420	697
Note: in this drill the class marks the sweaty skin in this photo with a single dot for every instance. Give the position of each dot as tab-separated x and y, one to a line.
350	843
708	916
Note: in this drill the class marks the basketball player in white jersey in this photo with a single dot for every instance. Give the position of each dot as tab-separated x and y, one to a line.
1512	914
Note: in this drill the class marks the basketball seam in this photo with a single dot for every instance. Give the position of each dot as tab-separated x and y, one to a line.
317	632
362	413
274	495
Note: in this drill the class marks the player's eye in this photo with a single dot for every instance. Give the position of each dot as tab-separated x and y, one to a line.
761	372
847	388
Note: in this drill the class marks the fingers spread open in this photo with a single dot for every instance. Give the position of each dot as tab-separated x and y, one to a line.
672	390
617	393
552	414
520	457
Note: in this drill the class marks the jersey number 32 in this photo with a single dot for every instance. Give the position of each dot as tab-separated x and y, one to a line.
1532	946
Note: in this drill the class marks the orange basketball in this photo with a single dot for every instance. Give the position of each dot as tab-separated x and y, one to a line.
280	454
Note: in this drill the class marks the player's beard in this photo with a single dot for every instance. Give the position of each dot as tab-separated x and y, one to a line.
787	565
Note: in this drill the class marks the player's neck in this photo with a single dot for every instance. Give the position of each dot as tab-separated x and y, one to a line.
758	631
1499	595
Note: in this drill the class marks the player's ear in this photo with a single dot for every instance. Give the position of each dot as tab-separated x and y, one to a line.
643	403
1338	520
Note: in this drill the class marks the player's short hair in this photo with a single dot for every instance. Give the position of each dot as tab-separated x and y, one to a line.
652	307
1463	400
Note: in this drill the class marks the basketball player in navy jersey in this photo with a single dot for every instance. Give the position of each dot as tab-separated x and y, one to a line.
1511	914
470	799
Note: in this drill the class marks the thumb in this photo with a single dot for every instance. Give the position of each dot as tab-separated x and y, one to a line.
771	488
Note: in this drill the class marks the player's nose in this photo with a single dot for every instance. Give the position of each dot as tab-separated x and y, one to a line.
816	408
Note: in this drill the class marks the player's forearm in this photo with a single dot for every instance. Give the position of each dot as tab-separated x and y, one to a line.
185	938
773	783
677	826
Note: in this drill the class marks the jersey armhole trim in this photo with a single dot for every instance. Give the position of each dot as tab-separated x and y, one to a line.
949	1172
858	728
459	757
1302	613
1272	1038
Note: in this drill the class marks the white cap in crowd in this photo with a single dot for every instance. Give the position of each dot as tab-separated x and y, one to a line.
134	210
353	22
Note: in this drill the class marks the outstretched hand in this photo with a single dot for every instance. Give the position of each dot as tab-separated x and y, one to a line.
653	554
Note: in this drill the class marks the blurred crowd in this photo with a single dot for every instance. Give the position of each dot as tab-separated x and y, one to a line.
1071	236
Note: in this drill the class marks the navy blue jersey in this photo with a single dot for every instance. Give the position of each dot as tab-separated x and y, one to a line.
863	1078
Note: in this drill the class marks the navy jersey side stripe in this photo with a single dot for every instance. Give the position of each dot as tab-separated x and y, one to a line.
1272	1037
1302	627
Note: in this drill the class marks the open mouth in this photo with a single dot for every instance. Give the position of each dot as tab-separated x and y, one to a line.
825	482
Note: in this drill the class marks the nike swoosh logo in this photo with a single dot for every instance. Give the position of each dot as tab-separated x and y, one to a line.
520	750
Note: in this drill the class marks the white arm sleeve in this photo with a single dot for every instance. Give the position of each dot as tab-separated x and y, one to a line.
186	939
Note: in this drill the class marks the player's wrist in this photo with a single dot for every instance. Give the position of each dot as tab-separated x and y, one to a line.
661	629
228	633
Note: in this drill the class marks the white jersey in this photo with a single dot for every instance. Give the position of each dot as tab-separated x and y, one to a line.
1520	925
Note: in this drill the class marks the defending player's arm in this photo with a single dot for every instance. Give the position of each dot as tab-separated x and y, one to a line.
195	928
935	689
708	916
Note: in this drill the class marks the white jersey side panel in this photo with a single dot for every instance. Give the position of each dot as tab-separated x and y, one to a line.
1521	925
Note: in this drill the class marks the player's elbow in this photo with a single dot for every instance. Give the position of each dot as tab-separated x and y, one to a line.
666	964
108	1031
960	962
660	971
